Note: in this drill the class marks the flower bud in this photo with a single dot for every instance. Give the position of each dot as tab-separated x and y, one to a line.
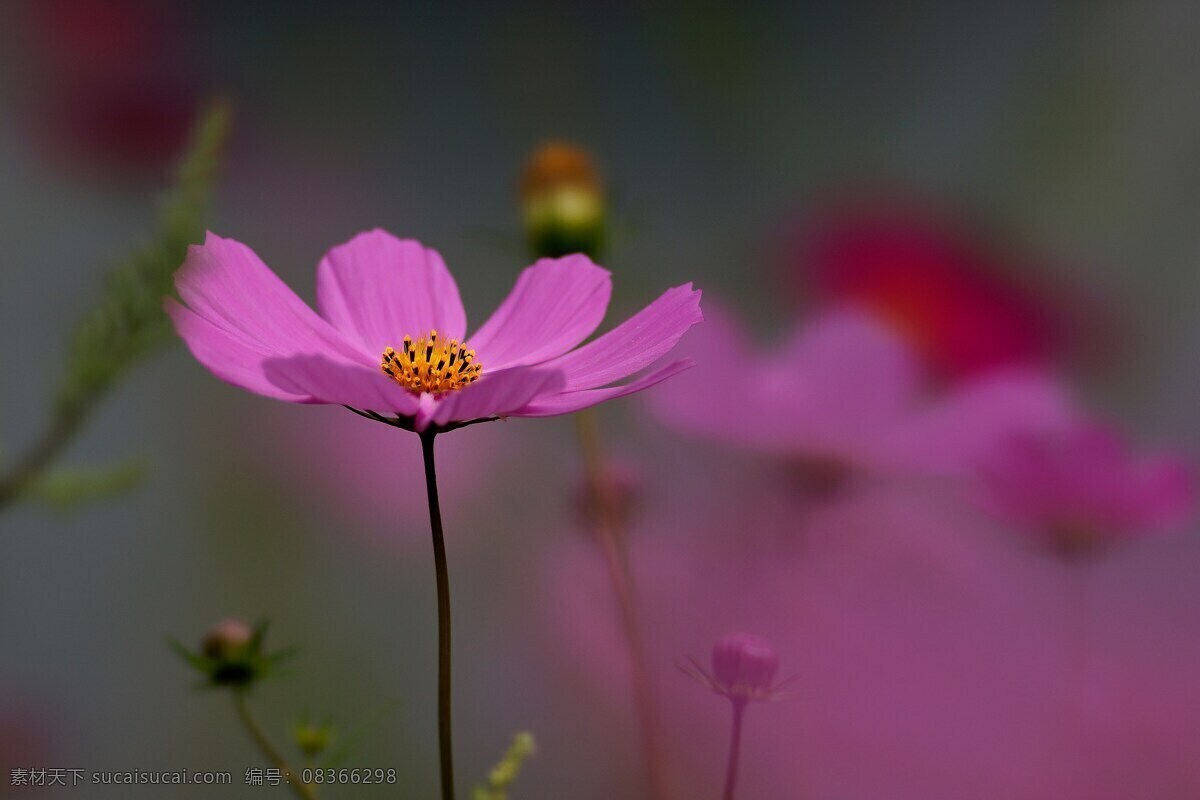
744	666
231	654
562	202
227	639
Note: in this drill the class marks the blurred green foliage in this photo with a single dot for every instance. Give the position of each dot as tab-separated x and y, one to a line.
129	321
125	325
69	487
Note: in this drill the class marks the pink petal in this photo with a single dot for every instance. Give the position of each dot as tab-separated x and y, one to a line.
496	394
555	305
570	401
376	288
634	344
1100	478
832	390
1168	492
850	357
224	282
250	329
232	359
838	383
700	401
959	431
344	383
1086	476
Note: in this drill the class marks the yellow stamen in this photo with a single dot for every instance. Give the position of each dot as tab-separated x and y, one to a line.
428	365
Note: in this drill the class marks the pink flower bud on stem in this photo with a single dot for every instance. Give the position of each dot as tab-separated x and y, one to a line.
226	638
743	669
745	666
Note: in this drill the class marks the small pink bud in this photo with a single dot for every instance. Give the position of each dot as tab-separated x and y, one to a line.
744	665
225	638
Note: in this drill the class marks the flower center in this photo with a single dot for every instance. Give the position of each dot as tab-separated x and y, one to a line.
430	365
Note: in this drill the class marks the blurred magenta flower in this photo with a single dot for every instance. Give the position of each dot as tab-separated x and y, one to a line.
1083	487
391	333
845	391
948	291
931	657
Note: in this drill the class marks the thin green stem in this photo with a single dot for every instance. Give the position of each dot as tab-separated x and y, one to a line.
445	737
293	778
610	537
735	750
38	457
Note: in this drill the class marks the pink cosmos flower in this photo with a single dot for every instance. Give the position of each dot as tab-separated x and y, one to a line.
391	334
844	390
1083	486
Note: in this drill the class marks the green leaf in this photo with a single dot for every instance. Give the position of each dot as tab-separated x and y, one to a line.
200	663
68	488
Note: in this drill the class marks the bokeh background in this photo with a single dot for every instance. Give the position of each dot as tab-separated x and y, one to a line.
935	649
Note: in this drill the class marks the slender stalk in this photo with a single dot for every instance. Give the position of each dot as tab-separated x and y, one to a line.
445	738
38	457
1080	643
735	749
612	542
298	787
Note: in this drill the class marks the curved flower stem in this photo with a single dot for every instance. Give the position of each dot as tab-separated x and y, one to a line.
445	738
611	541
298	787
735	749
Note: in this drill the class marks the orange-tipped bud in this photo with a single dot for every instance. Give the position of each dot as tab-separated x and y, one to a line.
562	201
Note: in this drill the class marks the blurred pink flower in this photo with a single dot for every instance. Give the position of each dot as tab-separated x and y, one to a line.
1082	487
377	292
846	391
933	661
942	287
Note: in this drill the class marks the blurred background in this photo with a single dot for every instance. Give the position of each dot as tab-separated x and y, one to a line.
1024	176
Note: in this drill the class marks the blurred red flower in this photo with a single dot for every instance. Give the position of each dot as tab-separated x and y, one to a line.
109	82
961	301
